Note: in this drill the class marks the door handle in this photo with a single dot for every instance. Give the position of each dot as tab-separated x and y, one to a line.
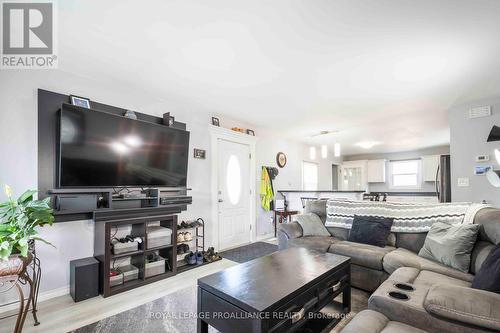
220	200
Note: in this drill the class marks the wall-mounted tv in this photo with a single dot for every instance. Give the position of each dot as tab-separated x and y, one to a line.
99	149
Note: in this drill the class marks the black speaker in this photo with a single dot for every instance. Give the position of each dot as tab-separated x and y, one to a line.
76	202
84	278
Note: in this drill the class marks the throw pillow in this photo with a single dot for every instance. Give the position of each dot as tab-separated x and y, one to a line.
450	245
311	225
488	277
372	230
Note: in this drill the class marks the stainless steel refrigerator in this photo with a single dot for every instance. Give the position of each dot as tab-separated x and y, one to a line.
443	179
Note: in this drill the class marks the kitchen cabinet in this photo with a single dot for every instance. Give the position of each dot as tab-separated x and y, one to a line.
353	176
430	164
376	171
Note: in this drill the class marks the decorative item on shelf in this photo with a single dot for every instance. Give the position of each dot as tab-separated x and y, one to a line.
199	153
168	120
281	159
250	132
20	219
130	114
80	101
215	121
238	129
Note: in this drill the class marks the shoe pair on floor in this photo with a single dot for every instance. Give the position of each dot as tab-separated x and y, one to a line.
195	258
184	237
182	248
189	225
210	255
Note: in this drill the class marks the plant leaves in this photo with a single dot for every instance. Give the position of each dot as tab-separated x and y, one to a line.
26	196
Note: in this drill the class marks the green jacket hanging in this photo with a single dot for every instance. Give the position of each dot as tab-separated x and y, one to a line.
266	190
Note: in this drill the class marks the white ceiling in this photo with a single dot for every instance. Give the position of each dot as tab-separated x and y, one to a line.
384	71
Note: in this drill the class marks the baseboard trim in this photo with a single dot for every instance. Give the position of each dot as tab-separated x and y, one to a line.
265	236
43	296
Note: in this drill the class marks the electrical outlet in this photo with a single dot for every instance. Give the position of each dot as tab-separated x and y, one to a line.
463	182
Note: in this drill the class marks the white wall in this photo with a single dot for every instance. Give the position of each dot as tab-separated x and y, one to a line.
468	139
290	177
18	151
73	240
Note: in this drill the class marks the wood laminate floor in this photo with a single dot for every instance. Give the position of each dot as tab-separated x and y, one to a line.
61	314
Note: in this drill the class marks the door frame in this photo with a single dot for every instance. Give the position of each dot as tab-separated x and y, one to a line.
216	134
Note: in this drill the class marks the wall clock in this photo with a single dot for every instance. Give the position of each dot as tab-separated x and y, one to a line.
281	159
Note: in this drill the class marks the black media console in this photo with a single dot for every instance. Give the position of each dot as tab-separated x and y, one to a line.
143	211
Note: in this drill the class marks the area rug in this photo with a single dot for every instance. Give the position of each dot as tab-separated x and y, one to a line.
175	313
249	252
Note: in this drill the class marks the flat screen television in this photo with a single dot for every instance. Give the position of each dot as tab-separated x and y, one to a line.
99	149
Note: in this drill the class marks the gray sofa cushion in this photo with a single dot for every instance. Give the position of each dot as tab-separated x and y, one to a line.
411	241
368	321
317	207
425	278
311	225
291	230
489	219
450	245
318	243
340	233
412	311
362	254
404	258
367	278
479	254
469	306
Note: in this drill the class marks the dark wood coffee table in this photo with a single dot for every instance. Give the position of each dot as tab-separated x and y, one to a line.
281	292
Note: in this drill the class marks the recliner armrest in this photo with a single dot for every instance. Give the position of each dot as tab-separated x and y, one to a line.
467	305
291	230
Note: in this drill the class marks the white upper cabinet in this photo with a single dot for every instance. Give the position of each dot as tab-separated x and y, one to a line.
430	165
376	171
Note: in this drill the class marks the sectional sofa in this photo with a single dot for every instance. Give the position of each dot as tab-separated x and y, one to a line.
439	299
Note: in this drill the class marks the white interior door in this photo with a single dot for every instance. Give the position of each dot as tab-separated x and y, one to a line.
233	194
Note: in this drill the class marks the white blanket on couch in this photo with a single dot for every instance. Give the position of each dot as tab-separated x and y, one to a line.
408	217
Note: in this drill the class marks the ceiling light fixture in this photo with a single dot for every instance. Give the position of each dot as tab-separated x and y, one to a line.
312	153
367	144
336	149
324	151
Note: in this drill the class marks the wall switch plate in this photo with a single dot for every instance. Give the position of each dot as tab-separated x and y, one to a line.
463	182
482	158
480	111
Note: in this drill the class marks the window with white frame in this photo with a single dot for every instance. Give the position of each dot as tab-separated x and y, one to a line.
309	176
406	174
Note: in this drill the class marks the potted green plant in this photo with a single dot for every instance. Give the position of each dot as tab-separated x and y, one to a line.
19	220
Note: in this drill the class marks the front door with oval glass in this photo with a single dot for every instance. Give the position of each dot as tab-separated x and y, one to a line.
233	194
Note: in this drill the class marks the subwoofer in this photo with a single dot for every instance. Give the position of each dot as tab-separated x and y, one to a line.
84	278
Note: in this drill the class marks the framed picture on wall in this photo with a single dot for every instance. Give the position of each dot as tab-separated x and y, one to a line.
80	101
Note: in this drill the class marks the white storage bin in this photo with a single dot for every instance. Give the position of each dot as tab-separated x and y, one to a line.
155	268
159	236
119	248
130	272
116	280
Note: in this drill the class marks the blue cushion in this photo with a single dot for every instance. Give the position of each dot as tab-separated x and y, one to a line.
370	230
488	277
